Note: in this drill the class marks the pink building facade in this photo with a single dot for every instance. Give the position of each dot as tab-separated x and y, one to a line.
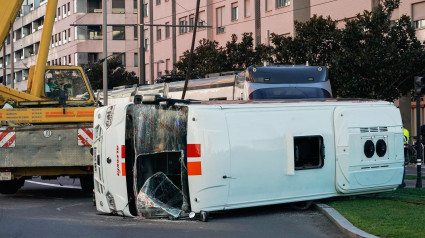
77	36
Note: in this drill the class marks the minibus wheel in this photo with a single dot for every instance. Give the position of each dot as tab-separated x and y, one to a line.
203	216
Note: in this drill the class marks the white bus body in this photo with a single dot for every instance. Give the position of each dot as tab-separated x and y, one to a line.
243	154
256	82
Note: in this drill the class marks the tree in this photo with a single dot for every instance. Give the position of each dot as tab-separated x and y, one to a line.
243	54
371	57
208	57
117	75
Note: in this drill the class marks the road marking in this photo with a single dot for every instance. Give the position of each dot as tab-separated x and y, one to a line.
54	185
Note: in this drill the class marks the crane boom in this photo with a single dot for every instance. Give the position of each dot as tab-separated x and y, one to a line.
8	11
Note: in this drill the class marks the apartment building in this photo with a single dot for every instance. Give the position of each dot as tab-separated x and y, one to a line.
164	43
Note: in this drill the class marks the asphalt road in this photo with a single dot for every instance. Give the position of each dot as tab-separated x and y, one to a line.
39	210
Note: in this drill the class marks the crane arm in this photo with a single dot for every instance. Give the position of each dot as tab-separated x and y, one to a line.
8	11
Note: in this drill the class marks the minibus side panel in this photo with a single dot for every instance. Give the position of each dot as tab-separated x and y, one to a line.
208	167
259	142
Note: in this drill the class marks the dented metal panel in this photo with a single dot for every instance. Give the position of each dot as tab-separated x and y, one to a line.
46	146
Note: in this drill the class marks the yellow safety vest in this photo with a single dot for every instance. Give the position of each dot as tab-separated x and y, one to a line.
406	136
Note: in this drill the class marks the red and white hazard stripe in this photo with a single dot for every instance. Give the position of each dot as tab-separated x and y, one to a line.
7	137
85	136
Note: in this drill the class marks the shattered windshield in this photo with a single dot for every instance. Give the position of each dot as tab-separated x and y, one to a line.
160	184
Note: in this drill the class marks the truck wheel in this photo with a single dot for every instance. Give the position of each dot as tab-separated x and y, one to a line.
87	183
203	216
11	187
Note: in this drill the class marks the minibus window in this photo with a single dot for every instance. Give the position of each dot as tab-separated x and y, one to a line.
309	152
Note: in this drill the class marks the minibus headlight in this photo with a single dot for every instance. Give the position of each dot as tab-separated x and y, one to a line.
381	148
111	202
369	148
108	116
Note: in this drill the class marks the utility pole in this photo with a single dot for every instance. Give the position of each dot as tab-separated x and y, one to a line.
419	92
142	70
189	67
105	53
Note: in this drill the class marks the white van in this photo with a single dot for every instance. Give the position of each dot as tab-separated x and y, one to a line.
175	158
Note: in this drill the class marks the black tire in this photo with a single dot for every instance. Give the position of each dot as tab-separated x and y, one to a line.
11	187
203	216
302	205
87	183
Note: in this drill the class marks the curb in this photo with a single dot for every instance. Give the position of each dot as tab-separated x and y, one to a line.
341	223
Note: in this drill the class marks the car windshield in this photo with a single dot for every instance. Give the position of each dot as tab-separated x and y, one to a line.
289	93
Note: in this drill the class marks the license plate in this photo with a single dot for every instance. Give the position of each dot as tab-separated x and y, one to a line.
5	176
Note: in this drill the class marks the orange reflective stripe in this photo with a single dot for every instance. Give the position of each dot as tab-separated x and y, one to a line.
123	169
194	168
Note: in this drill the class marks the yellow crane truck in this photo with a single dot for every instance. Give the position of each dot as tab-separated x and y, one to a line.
47	130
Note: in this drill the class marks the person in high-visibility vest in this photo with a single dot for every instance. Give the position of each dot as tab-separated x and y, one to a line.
406	136
406	141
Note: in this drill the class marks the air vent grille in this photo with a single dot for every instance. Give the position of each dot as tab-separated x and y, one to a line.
373	129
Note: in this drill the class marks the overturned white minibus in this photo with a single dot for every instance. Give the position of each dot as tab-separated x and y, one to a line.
175	158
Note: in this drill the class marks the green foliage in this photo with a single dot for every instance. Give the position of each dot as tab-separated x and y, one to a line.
371	57
208	57
243	54
117	75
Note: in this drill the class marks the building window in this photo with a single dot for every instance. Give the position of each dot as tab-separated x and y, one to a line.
69	9
419	24
95	32
247	8
121	56
136	59
64	60
282	3
158	34
146	10
158	2
235	11
59	39
69	34
136	36
64	37
118	32
269	5
69	59
167	30
308	152
118	6
64	11
191	22
135	6
146	44
219	20
183	24
59	13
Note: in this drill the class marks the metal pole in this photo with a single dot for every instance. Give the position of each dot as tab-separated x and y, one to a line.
418	143
142	70
105	54
189	67
4	63
12	60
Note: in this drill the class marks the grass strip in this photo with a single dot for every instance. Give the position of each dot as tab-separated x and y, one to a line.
394	214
